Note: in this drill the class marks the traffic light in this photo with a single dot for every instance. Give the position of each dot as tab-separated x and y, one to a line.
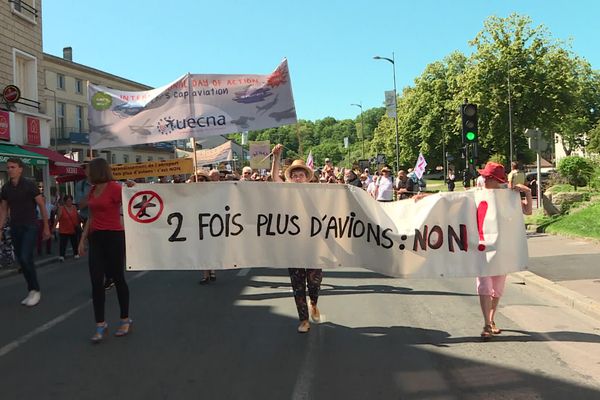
468	114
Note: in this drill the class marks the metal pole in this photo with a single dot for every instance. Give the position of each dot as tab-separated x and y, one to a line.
393	61
193	140
362	130
396	113
362	127
510	135
539	175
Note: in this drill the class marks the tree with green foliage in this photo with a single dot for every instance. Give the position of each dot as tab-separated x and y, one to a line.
576	170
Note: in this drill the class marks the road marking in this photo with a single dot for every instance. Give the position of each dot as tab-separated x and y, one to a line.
303	385
41	329
243	272
4	350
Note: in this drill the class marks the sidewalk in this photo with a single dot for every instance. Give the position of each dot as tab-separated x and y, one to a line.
568	269
40	261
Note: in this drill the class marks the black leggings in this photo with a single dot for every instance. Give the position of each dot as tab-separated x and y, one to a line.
107	256
63	243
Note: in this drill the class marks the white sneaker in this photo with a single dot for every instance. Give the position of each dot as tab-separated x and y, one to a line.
76	256
61	259
34	299
26	299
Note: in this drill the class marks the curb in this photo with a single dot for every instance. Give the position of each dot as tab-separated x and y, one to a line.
38	264
573	299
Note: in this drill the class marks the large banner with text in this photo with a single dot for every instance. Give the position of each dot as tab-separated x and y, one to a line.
226	225
192	106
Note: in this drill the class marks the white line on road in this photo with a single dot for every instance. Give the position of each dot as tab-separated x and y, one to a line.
4	350
303	387
243	272
25	338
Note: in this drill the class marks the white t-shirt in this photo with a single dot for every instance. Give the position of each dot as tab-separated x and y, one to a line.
385	191
371	188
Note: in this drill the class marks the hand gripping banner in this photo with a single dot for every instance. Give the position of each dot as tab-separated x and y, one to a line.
192	106
226	225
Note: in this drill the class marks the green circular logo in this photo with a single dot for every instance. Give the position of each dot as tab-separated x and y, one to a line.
101	101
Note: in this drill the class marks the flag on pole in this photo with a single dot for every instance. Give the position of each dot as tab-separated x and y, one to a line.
310	162
420	167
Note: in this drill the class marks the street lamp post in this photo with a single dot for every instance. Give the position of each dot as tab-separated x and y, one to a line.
362	127
392	60
510	134
55	119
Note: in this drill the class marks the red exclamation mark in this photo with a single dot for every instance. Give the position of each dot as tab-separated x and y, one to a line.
481	211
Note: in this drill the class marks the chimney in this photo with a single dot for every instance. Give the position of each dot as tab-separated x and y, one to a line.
68	53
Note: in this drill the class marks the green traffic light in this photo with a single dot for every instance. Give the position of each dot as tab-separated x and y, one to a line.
470	136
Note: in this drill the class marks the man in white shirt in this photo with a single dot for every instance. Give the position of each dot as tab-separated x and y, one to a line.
384	188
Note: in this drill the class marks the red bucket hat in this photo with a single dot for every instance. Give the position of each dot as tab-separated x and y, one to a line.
495	171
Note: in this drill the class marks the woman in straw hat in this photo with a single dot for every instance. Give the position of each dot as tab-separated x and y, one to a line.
490	288
298	172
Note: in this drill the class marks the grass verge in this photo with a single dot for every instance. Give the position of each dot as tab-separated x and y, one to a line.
583	223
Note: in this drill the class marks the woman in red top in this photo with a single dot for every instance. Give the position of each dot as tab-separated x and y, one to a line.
106	235
68	222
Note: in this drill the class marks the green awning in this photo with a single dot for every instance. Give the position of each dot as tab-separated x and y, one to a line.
29	158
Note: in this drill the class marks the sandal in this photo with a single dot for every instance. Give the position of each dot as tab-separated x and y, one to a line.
304	327
315	314
124	327
487	332
204	280
101	332
495	330
212	275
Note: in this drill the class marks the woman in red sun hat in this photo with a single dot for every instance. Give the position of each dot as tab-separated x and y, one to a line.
490	288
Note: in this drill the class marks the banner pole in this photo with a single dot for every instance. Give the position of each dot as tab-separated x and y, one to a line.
193	140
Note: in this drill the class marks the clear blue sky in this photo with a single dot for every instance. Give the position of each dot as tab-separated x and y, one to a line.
329	44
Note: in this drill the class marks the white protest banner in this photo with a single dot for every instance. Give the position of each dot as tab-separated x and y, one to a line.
258	152
215	155
225	225
192	106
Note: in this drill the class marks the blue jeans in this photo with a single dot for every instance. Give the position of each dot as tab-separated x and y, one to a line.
24	240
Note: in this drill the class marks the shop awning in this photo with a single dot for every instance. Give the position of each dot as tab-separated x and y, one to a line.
29	158
59	164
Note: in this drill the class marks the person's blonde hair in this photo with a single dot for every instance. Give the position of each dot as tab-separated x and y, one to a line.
99	171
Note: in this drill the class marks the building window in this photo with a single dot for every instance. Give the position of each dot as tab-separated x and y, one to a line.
78	86
138	158
150	158
25	9
60	81
25	73
79	118
125	158
61	112
113	158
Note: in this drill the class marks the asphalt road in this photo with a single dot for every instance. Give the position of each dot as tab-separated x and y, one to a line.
381	338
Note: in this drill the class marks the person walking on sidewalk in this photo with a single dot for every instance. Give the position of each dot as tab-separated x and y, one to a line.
105	233
20	197
67	219
491	288
298	172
